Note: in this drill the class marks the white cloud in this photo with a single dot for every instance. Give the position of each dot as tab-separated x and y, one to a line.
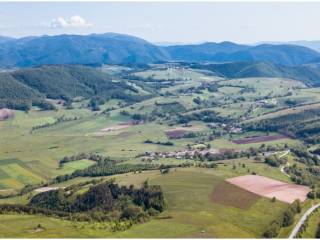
75	21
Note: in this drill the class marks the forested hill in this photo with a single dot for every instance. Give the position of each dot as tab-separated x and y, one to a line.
77	49
231	52
26	87
112	48
307	74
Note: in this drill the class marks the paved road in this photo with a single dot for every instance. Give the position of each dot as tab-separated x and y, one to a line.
302	219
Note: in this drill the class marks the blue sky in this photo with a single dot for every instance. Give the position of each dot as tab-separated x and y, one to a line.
165	21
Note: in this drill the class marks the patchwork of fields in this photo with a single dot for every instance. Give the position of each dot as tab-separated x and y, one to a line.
182	109
14	174
190	209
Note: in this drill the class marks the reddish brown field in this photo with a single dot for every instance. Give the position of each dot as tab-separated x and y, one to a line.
179	132
270	188
6	114
259	139
228	194
175	133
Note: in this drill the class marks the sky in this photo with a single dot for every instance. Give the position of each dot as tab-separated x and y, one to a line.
185	22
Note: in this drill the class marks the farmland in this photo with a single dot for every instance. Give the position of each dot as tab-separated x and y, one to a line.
175	111
195	194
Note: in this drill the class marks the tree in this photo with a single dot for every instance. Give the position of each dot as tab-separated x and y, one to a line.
146	183
296	205
318	231
272	230
131	212
288	218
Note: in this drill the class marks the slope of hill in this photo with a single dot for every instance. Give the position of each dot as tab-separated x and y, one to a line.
230	52
75	49
29	86
4	39
315	45
306	74
203	52
16	95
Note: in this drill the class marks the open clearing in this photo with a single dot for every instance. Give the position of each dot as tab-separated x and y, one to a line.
286	111
259	139
270	188
45	189
106	131
14	174
231	195
179	132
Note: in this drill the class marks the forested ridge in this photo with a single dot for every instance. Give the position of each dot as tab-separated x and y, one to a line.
304	125
24	88
104	201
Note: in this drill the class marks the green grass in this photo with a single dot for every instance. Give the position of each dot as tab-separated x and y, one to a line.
27	158
190	210
312	228
14	175
227	143
75	165
285	232
189	199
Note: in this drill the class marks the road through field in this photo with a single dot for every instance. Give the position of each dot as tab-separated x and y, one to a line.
302	220
287	164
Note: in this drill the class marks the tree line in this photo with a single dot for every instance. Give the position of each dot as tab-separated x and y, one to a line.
285	220
105	201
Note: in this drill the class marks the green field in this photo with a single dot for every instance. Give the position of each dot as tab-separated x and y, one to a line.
33	143
313	223
190	210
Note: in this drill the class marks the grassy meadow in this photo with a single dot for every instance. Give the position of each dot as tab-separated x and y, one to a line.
190	210
33	143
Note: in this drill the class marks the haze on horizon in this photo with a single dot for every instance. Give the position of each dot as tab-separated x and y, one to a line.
164	21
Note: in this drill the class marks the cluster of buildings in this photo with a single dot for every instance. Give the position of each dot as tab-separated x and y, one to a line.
267	103
229	128
188	154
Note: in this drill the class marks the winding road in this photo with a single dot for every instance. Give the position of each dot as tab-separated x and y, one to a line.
287	164
302	220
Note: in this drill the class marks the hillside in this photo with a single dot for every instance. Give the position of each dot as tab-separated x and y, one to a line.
203	52
22	88
230	52
5	39
306	74
16	95
76	49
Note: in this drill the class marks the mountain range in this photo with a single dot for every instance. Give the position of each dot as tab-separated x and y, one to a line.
113	48
314	45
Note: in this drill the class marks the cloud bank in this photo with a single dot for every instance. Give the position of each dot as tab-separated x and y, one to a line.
75	21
